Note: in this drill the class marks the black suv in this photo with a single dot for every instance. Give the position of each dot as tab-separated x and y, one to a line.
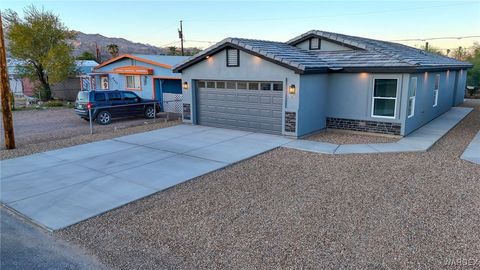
108	104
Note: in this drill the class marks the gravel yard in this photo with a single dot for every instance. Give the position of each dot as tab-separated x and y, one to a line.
293	209
43	130
349	137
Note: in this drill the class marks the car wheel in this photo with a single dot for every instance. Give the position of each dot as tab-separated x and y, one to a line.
104	118
149	112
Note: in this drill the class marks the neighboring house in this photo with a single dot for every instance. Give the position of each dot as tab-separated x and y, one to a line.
14	77
150	76
319	80
68	88
85	66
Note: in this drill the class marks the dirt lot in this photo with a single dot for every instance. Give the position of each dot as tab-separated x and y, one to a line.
42	130
293	209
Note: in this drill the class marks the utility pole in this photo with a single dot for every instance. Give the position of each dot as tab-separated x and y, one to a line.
426	46
180	35
5	94
97	52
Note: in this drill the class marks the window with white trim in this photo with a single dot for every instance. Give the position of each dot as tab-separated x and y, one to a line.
133	82
412	93
435	90
384	103
233	58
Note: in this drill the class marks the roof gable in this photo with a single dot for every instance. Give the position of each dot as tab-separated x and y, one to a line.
149	59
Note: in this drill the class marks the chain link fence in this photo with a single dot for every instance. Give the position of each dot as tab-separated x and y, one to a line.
172	103
171	111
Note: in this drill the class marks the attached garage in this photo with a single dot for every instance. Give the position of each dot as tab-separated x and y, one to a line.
315	81
245	105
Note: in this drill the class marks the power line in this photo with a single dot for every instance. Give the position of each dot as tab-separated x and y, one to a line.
435	38
327	16
201	41
171	43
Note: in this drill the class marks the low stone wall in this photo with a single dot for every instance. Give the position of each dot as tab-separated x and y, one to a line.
365	126
186	111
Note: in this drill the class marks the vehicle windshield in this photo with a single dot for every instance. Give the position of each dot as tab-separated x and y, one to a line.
82	96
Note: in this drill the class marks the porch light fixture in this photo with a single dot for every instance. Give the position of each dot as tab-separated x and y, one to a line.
185	85
292	89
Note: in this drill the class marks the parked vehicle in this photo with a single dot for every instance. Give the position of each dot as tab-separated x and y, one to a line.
105	105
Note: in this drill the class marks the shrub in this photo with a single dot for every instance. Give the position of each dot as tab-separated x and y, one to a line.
53	103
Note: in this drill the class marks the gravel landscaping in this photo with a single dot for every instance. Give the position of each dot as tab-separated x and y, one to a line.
294	209
42	130
348	137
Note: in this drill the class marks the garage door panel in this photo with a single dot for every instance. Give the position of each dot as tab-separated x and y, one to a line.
253	99
251	110
266	100
242	98
277	114
277	100
240	117
266	113
251	106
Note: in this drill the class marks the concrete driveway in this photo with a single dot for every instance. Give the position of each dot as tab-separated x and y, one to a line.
59	188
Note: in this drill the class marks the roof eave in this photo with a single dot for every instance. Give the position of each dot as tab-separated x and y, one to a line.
120	57
201	57
400	69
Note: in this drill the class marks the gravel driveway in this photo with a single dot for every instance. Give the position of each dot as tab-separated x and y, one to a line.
293	209
42	130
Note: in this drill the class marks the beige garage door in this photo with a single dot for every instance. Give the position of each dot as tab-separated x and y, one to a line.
245	105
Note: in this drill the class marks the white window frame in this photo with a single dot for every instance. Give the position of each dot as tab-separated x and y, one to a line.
413	84
135	87
436	87
394	98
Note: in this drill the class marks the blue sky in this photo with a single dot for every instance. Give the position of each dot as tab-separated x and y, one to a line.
155	22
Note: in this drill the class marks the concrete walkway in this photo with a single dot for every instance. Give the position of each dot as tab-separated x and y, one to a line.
59	188
419	141
472	152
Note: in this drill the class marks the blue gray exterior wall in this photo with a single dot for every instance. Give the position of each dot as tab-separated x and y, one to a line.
461	83
350	96
451	92
312	108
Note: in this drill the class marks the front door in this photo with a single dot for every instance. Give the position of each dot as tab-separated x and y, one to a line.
157	84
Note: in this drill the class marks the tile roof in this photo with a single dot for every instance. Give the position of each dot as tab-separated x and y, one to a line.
164	59
365	54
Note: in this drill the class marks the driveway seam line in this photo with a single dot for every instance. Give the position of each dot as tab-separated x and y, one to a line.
45	192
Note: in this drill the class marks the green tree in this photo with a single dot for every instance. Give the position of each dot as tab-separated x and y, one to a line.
86	55
172	50
460	53
193	51
473	75
113	49
431	49
40	39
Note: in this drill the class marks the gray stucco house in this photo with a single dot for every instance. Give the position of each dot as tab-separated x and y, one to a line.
319	80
